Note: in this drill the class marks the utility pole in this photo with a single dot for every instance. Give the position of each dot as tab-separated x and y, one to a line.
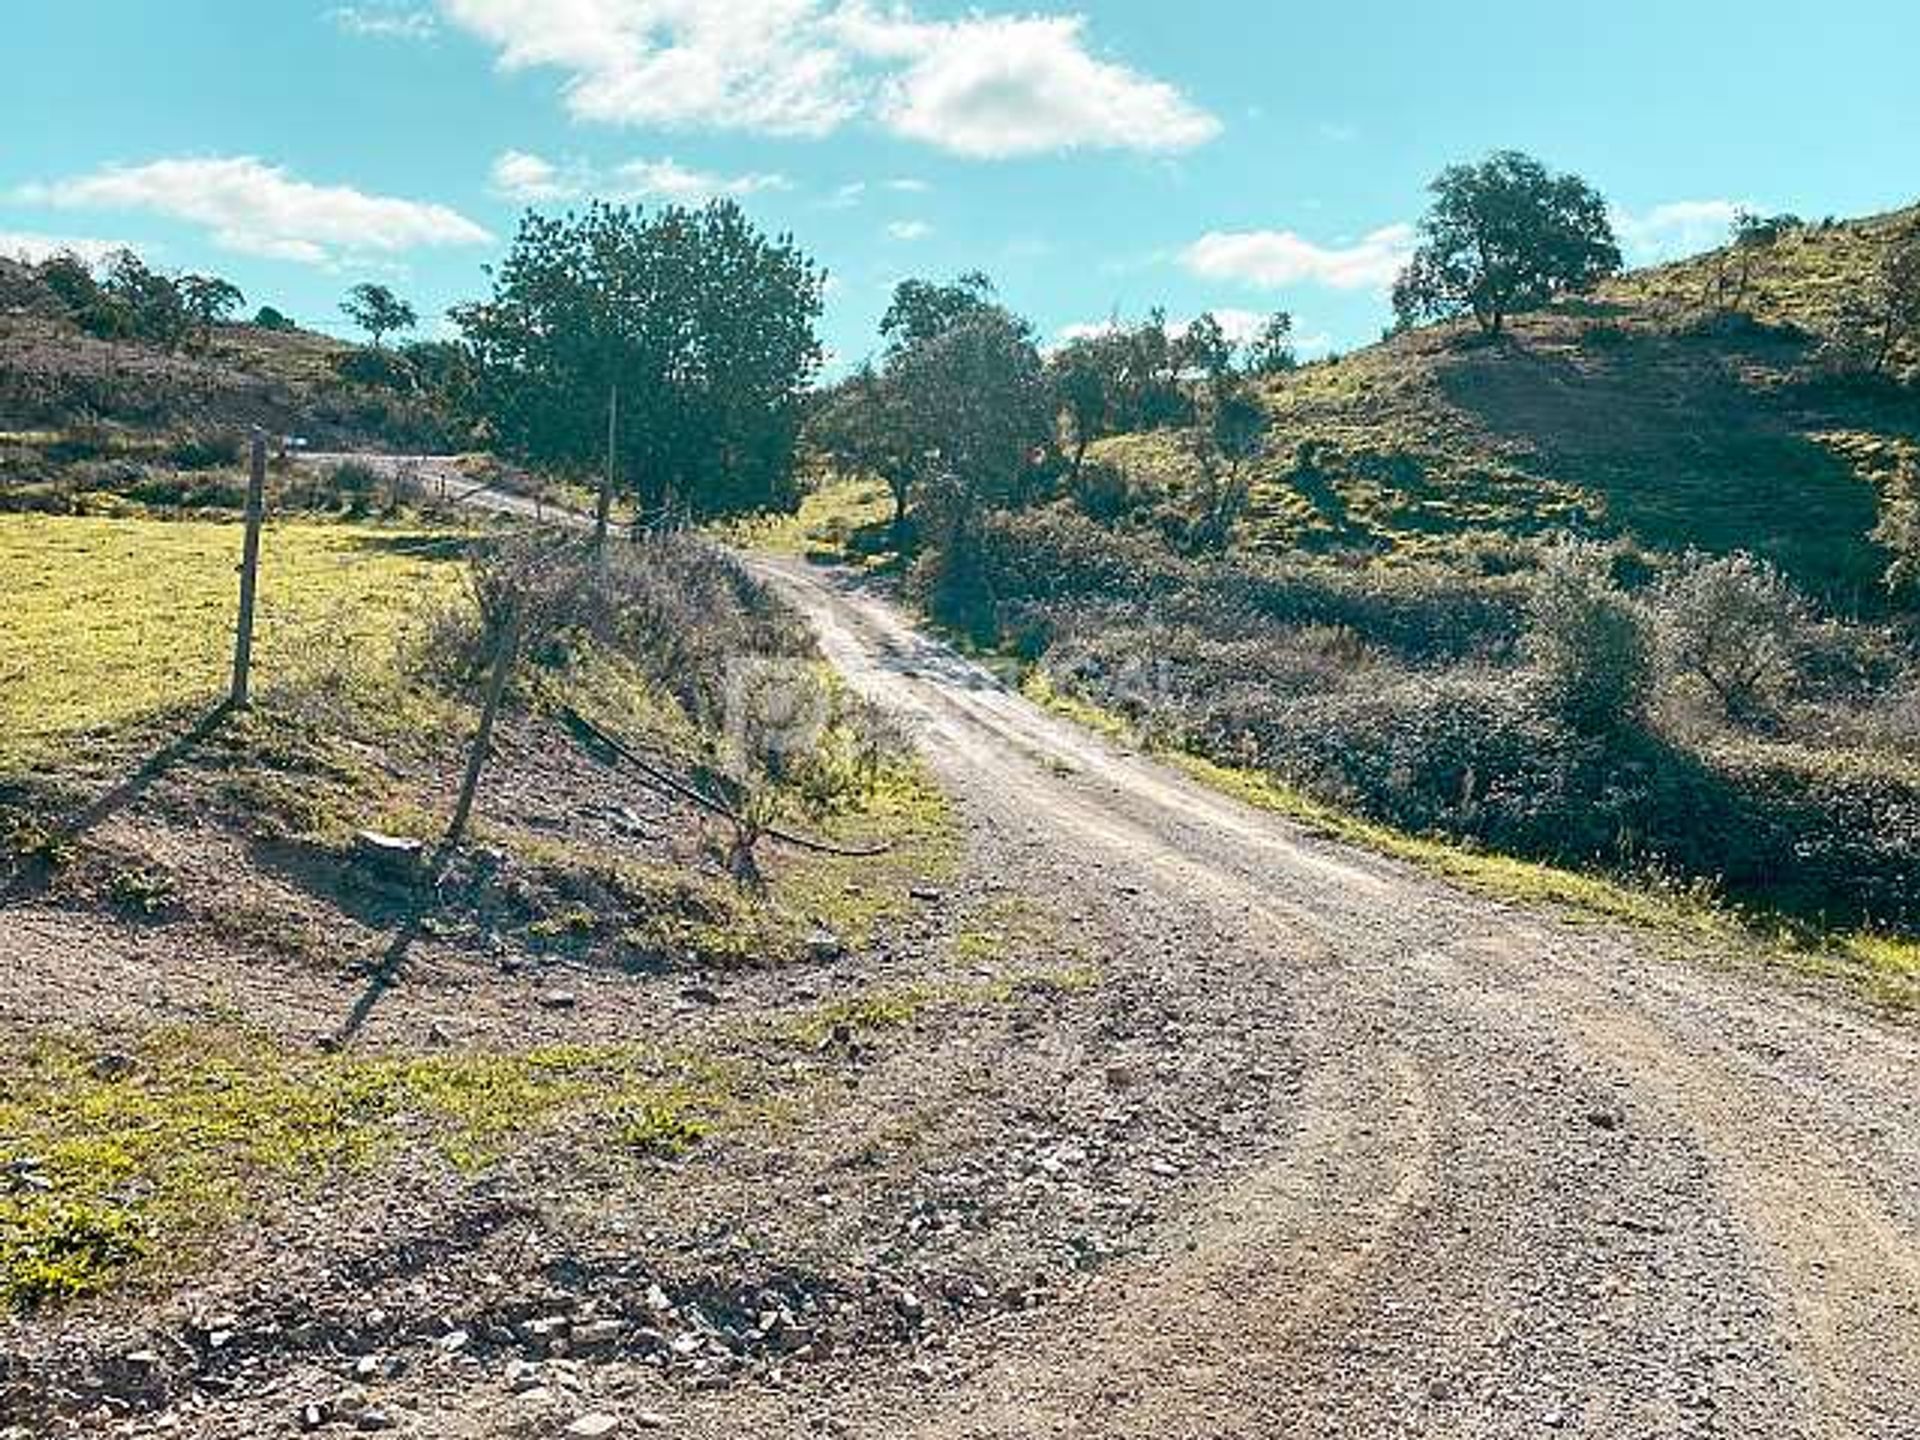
605	508
249	572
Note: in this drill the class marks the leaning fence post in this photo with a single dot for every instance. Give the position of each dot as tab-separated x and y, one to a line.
483	741
249	572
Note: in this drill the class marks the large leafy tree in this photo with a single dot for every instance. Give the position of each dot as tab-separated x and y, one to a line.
976	397
209	300
1504	236
922	310
378	311
702	324
863	423
953	420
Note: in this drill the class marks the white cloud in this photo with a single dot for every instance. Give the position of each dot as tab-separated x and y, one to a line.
385	21
671	181
761	65
909	186
846	196
522	176
1274	258
909	230
1676	229
519	175
994	86
259	209
984	86
33	247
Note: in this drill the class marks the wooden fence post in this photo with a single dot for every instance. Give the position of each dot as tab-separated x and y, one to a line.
249	572
483	741
604	510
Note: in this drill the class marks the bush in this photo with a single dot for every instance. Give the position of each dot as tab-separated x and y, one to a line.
1588	641
205	450
1735	625
377	370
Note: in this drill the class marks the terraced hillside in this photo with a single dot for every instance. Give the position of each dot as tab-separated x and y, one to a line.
1643	411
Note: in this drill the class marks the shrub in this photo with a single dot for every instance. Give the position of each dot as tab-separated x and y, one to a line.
378	370
1588	641
205	450
1733	624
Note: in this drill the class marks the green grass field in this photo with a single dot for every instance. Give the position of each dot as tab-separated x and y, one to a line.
113	621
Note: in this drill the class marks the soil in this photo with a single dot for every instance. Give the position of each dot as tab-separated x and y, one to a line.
1322	1147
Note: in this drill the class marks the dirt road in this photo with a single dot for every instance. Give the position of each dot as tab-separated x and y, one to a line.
1538	1177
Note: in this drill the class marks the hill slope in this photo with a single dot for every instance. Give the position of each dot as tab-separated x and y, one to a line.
55	376
1638	411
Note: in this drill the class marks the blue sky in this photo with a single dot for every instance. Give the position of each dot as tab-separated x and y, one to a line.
1098	158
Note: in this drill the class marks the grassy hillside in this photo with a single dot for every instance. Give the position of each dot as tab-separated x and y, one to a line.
57	377
1637	412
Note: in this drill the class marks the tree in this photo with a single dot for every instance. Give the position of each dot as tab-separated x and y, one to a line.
209	301
1204	349
378	311
703	324
866	429
142	303
1504	236
922	310
1877	322
1750	238
1231	434
268	318
1899	529
975	397
1270	352
1084	378
72	283
1589	642
1736	624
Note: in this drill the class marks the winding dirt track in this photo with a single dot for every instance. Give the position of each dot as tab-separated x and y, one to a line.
1540	1178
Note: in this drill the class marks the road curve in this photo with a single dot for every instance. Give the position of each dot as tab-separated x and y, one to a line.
1539	1178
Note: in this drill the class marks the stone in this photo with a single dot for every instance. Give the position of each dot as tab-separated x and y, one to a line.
823	944
593	1425
558	999
113	1065
398	857
598	1334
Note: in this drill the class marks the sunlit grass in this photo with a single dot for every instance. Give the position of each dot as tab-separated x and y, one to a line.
113	620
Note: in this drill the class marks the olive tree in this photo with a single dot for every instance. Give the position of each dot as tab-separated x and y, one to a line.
1734	624
1504	236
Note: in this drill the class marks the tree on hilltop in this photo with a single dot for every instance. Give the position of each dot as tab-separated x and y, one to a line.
1504	236
209	301
378	311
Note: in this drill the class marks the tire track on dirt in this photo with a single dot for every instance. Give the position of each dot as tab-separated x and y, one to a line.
1766	1276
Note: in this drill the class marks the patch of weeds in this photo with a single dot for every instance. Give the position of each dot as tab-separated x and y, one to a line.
874	1011
137	1164
143	892
1060	980
576	924
54	1249
662	1124
1007	927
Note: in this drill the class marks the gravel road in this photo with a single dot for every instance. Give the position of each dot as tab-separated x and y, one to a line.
1537	1177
